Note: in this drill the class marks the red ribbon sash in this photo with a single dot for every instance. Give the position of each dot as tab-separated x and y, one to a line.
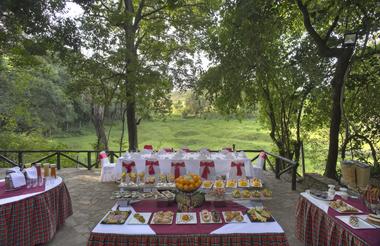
102	155
238	166
206	169
148	146
129	165
151	165
177	166
228	149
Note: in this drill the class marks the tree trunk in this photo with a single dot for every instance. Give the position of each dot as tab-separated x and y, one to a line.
97	118
336	114
132	127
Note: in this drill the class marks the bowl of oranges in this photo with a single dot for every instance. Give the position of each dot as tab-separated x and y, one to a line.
188	183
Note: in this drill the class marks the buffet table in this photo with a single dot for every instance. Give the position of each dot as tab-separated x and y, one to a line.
33	218
318	224
247	233
192	161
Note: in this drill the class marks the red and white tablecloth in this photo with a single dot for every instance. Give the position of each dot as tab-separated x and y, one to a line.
317	224
247	233
32	219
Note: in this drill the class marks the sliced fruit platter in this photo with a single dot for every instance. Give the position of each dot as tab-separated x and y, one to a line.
162	218
116	217
343	207
139	219
186	218
260	214
188	183
210	217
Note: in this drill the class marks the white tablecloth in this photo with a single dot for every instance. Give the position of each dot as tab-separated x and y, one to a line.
192	162
50	184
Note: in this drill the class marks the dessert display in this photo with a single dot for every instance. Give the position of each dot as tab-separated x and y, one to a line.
233	216
116	217
219	192
256	194
162	217
354	221
150	180
207	184
231	183
255	182
236	193
188	183
266	193
243	183
259	215
343	207
219	184
186	218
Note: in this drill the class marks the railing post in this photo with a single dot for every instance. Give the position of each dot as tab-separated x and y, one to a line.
233	147
59	160
97	159
277	168
89	160
112	156
294	176
303	159
20	161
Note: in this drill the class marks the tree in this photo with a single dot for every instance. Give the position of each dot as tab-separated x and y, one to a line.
326	22
141	40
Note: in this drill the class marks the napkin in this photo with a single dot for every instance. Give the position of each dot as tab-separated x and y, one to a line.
31	173
18	179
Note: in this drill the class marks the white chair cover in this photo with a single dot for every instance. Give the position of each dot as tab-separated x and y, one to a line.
107	173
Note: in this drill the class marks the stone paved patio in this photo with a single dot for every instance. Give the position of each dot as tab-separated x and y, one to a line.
90	200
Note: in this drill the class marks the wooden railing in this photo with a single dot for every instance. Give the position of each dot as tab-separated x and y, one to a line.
281	164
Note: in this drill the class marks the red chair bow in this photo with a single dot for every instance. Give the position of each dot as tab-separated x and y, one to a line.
263	155
228	149
187	150
129	166
177	166
148	146
238	166
168	150
102	155
151	165
206	169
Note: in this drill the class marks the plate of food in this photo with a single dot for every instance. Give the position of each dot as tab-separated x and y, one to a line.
243	183
266	193
139	219
233	217
256	194
343	207
210	217
162	218
207	184
231	183
236	193
260	214
219	184
245	194
321	195
169	195
116	217
256	183
355	222
186	218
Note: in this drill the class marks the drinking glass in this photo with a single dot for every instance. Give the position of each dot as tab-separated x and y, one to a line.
53	170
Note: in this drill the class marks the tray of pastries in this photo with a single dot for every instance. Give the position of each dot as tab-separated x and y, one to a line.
219	184
210	217
243	183
256	183
186	218
116	217
162	218
233	217
231	183
343	207
260	214
207	184
139	219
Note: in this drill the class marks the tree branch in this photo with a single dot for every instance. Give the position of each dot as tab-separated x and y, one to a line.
153	11
332	27
323	49
139	14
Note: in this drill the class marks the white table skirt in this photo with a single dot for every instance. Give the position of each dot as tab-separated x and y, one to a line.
50	184
192	163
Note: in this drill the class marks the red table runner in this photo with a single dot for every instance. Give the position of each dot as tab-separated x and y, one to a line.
315	227
154	206
34	220
21	191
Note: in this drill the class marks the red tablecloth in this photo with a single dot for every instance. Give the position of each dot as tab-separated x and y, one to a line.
187	234
315	227
34	220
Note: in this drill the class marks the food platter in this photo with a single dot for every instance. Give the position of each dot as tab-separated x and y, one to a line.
162	218
207	184
116	217
139	218
234	217
343	207
186	218
256	183
232	183
259	215
243	183
210	217
360	223
321	195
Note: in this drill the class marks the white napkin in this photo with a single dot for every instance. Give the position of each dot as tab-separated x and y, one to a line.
31	173
18	179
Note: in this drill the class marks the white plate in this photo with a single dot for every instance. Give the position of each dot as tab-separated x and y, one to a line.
232	187
362	224
192	221
211	221
234	221
203	187
133	221
171	221
348	212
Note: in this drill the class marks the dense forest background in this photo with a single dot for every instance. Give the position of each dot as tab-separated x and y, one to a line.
279	66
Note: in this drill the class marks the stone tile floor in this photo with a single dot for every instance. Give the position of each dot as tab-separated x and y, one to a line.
90	200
